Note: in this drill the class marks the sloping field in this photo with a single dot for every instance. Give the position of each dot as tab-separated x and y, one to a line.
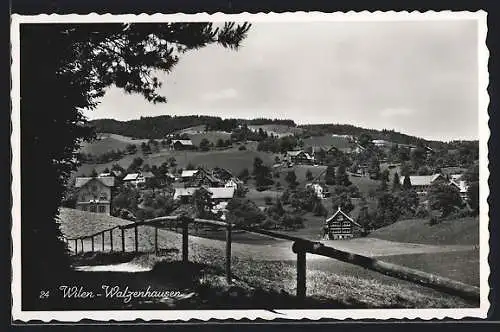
232	159
459	231
327	140
211	136
104	145
75	223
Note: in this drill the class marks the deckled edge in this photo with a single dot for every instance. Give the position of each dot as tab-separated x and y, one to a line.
207	315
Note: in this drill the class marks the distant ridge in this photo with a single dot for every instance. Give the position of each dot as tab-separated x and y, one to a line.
159	126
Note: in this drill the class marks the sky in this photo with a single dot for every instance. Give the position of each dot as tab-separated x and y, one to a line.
416	77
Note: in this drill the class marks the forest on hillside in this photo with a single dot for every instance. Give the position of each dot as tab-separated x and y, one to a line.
159	126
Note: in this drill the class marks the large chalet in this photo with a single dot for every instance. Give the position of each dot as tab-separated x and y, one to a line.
341	226
94	194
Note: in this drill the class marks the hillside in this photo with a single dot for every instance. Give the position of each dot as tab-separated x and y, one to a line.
458	231
108	142
232	159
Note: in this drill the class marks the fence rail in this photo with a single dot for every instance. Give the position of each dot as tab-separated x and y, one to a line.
300	246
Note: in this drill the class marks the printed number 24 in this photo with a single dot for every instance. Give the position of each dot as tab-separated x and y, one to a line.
44	294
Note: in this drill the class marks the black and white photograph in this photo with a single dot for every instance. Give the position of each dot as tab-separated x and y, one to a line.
296	165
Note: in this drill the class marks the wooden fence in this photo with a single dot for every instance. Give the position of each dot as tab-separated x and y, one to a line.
300	247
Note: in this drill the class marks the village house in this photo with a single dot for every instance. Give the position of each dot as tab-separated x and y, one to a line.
462	187
299	157
200	177
138	178
182	144
94	194
340	226
422	183
188	175
321	191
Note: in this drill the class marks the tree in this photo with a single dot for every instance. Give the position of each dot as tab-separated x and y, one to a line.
445	198
341	177
204	145
344	201
407	183
135	165
473	196
291	178
93	174
172	161
374	168
244	212
244	175
396	185
66	69
131	148
384	179
145	148
330	175
257	164
202	201
309	175
388	210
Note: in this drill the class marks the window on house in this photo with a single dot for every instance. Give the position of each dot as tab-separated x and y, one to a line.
102	209
94	187
92	208
103	196
84	207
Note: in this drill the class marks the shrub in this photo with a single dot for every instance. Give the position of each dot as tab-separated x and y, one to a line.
242	148
292	221
268	200
434	221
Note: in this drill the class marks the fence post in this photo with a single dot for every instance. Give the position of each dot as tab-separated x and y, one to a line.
81	241
76	246
185	239
123	239
156	241
136	237
228	252
92	243
299	248
301	275
111	239
102	240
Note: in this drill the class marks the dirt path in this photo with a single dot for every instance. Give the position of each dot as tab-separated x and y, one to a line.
371	247
122	267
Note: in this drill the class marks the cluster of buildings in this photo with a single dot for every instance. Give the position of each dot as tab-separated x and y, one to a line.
94	193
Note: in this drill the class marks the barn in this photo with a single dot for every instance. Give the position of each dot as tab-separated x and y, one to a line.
341	226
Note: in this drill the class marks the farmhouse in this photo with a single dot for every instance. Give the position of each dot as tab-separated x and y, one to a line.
94	194
340	227
422	183
187	175
182	144
299	157
138	178
462	186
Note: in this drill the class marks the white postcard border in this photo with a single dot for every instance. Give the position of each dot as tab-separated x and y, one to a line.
204	315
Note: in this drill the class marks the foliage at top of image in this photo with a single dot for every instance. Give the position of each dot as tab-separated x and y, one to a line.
66	68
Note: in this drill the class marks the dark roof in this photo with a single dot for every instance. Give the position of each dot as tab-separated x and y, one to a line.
108	181
345	215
